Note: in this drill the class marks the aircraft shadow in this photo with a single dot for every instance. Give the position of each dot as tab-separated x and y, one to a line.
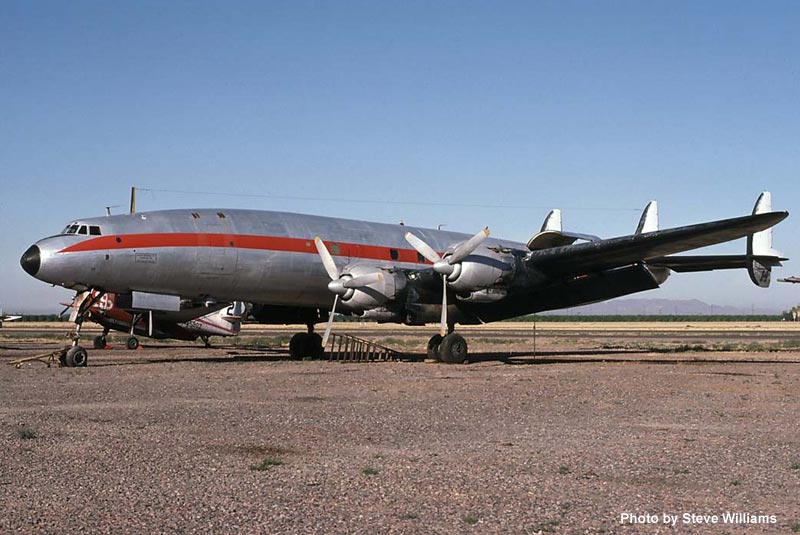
519	358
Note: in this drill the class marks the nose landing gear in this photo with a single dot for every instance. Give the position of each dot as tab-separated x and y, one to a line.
74	356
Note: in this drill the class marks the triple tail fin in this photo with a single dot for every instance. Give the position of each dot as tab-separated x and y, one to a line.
759	247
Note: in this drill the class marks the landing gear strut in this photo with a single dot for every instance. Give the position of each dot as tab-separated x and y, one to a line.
131	342
306	345
76	356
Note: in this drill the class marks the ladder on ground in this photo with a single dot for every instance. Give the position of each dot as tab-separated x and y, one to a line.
348	348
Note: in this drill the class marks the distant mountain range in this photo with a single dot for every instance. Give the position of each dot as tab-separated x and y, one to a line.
657	307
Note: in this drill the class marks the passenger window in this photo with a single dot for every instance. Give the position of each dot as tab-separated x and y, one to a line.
420	258
82	230
394	254
334	248
94	230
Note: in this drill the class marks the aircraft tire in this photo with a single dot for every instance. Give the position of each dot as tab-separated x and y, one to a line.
99	342
453	349
313	346
297	346
76	357
132	342
433	347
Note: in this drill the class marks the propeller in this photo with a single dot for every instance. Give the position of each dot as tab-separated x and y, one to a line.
342	285
67	306
447	265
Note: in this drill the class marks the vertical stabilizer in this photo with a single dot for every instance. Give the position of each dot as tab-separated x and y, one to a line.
553	221
649	220
759	244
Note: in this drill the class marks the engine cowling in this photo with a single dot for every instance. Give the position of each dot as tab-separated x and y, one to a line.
383	315
376	294
476	272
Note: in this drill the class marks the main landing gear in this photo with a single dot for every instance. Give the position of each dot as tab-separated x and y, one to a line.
306	345
450	348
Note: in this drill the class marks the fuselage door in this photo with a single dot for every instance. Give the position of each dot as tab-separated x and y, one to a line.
216	255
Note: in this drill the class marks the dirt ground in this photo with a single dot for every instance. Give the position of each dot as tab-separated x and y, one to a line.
603	421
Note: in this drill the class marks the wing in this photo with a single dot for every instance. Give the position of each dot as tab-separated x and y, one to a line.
616	252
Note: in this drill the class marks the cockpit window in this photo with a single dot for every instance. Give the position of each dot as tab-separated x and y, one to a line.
94	230
82	230
71	229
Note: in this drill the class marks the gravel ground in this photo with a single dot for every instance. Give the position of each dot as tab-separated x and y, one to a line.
177	439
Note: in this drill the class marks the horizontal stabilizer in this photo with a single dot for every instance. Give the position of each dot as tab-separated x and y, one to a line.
552	238
687	264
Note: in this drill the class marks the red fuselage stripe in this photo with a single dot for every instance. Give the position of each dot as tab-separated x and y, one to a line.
241	241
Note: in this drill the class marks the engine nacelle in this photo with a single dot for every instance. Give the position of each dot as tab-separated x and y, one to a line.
383	315
476	272
487	295
376	294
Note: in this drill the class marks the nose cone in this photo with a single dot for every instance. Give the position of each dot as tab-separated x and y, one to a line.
31	260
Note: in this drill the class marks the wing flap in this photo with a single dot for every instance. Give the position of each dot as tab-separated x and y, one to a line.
616	252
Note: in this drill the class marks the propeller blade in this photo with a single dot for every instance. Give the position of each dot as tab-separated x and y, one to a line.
327	259
363	280
64	311
330	322
466	248
423	248
443	326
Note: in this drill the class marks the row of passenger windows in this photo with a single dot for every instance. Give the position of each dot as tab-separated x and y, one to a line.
94	230
91	230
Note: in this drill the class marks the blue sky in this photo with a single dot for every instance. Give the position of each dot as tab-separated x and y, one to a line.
595	107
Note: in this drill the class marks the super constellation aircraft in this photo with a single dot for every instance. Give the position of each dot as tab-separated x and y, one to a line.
296	268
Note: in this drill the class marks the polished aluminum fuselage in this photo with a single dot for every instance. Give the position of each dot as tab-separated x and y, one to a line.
228	255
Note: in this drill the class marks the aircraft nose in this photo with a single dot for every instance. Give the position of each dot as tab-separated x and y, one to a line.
31	260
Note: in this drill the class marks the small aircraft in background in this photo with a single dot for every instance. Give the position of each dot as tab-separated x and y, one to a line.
6	317
117	313
794	280
299	268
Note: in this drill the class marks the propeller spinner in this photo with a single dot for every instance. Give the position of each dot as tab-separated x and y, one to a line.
342	285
